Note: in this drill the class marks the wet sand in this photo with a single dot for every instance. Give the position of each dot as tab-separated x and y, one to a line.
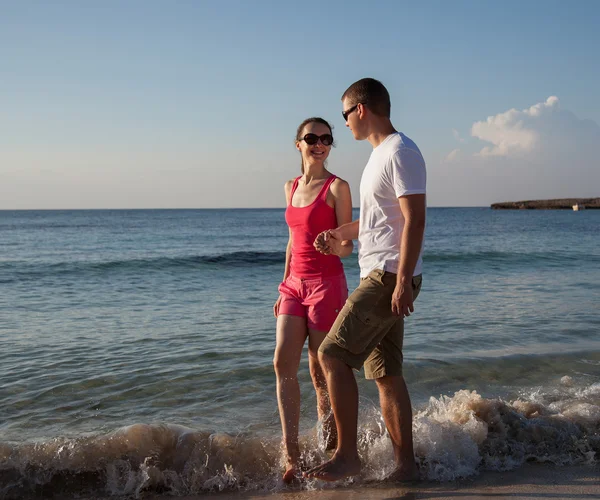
530	482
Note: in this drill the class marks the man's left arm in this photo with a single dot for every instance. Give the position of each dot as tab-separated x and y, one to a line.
413	208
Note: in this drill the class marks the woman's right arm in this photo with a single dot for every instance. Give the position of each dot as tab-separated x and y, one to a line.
288	255
288	248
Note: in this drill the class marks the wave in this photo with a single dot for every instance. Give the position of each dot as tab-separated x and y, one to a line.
18	270
46	226
455	437
15	270
514	258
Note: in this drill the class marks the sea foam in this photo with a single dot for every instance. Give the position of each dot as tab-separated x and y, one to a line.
455	437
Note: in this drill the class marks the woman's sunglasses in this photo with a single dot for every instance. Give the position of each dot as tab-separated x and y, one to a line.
312	139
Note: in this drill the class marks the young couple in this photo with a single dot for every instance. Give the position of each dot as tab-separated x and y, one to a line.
366	328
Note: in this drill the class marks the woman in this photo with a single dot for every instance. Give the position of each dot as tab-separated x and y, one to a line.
314	287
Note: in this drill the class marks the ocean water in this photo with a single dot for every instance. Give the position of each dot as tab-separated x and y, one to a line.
136	350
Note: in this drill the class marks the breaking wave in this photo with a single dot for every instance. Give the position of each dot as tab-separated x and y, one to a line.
455	437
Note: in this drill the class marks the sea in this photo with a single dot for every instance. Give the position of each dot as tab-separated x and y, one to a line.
136	351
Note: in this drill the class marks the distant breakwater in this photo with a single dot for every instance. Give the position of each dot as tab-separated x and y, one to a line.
557	204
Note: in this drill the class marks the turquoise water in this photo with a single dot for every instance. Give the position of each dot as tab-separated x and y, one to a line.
162	320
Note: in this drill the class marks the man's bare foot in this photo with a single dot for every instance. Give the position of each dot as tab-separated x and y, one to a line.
335	469
404	475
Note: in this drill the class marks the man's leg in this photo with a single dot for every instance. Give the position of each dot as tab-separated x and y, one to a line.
343	393
363	321
384	365
397	414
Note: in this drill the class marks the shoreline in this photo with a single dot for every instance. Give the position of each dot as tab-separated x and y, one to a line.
528	482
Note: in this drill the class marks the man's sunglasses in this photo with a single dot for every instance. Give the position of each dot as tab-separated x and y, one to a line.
346	113
312	139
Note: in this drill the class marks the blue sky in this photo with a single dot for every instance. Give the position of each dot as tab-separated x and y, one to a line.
195	104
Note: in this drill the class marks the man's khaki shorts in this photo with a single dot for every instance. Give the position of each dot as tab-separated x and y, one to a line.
366	332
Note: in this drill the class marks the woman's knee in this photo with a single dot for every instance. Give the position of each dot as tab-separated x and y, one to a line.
316	372
284	365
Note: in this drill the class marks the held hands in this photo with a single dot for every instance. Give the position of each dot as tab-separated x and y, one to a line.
321	243
328	242
402	299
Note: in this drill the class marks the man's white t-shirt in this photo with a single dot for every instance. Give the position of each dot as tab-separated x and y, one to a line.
396	168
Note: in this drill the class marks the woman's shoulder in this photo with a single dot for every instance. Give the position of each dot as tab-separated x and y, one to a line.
289	185
339	186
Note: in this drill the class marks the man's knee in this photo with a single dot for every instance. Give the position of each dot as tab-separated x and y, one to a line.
331	363
326	361
390	383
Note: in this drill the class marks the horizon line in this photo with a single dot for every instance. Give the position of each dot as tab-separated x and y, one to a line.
200	208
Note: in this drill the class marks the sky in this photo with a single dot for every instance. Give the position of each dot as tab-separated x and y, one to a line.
195	104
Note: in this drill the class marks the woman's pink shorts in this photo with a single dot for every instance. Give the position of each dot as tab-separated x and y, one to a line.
318	300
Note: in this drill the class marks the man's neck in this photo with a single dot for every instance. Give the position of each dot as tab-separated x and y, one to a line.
379	132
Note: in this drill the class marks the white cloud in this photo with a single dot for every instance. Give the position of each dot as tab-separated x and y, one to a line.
540	152
514	131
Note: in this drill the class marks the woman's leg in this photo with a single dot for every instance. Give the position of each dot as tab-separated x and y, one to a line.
324	412
291	335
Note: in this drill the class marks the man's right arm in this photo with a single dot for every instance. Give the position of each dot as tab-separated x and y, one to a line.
346	231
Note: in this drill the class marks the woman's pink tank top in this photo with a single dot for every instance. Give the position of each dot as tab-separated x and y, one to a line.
305	224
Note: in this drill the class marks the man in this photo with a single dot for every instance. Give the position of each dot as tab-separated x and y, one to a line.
369	330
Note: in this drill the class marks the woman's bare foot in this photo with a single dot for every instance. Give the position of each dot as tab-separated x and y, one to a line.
294	467
292	473
335	469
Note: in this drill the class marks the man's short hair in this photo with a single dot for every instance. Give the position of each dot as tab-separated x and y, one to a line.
372	93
